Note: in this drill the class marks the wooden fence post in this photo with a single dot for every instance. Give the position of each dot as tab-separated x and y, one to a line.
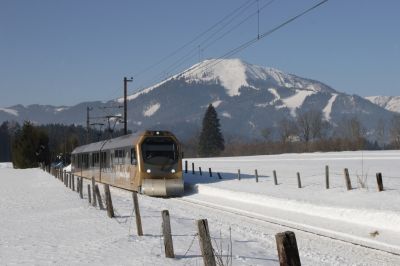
77	184
192	168
210	172
275	178
239	176
186	166
94	192
73	182
256	175
81	187
327	176
166	228
88	192
201	173
219	176
109	205
298	180
137	214
347	179
98	196
379	181
205	243
288	252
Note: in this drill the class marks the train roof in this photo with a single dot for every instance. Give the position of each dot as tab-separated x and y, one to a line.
120	142
123	141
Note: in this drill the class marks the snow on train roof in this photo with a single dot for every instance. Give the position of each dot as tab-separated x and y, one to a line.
123	141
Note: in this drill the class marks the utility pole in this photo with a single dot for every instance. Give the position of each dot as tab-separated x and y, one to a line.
125	104
87	123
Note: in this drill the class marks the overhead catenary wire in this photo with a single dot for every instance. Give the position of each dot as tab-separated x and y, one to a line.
245	45
206	43
254	40
179	49
236	11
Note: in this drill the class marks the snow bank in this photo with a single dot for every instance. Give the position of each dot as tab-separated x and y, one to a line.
6	165
67	168
389	220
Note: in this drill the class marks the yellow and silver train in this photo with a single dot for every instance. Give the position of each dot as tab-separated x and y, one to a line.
149	163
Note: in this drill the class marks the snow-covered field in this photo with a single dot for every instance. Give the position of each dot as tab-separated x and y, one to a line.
43	222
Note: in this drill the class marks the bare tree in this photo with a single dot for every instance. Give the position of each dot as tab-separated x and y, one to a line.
310	124
266	133
352	130
287	128
380	132
395	131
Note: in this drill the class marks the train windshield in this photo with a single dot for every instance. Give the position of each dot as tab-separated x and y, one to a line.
159	151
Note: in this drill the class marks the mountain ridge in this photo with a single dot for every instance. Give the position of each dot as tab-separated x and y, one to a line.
248	98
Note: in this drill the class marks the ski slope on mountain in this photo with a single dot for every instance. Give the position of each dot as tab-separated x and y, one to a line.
391	103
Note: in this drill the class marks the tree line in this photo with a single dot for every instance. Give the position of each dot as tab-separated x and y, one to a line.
307	132
28	145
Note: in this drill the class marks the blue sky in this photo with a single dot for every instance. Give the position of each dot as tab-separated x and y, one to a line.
66	52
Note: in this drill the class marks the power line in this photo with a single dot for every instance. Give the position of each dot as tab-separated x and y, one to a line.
254	40
192	53
197	37
227	32
237	10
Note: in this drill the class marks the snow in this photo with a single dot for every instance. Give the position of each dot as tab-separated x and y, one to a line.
59	109
6	165
216	103
151	110
328	108
67	168
230	72
43	222
226	114
297	100
275	93
233	74
348	215
391	103
10	111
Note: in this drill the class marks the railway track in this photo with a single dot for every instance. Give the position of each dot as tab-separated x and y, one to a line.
312	230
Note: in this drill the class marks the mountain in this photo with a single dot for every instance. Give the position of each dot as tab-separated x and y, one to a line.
391	103
248	99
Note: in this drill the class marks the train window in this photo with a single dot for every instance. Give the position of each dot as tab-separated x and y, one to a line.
133	157
159	150
86	160
95	159
119	156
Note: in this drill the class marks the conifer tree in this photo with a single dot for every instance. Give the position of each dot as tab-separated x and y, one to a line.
30	146
211	142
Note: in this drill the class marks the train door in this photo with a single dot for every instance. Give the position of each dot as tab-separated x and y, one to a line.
133	169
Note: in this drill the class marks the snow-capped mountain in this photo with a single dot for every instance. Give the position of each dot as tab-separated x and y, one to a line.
391	103
248	98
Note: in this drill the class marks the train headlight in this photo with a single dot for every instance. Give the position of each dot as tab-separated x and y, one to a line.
173	171
148	171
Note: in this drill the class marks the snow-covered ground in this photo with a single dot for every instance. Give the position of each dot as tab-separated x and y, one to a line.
43	222
362	215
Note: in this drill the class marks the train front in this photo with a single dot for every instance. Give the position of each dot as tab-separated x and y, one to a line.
161	164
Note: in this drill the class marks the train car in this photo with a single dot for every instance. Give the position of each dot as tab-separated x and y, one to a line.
149	163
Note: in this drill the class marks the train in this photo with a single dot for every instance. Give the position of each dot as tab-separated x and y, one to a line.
149	163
